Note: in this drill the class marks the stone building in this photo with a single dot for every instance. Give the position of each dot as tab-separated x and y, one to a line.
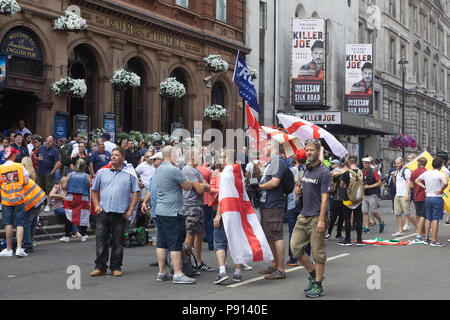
155	39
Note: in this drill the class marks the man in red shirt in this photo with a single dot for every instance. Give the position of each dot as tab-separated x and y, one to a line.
371	185
207	210
419	198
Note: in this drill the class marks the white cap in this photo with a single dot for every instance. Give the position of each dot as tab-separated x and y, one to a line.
366	160
157	155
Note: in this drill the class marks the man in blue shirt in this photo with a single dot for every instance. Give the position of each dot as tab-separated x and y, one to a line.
99	158
111	199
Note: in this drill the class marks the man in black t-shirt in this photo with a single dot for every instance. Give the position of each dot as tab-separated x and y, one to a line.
132	155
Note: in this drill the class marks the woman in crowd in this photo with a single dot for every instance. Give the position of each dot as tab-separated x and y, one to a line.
37	143
77	200
82	154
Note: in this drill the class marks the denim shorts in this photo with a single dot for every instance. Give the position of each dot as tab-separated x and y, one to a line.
220	238
170	232
11	214
435	208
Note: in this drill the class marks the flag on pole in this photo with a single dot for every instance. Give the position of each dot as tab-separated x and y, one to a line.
305	130
289	142
413	165
245	235
244	81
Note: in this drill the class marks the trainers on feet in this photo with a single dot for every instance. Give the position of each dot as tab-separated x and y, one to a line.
84	238
47	209
345	243
327	237
436	243
6	253
237	277
64	239
275	275
315	291
21	253
183	279
246	267
340	237
406	227
292	263
204	267
221	277
398	234
308	287
381	227
365	229
163	277
360	244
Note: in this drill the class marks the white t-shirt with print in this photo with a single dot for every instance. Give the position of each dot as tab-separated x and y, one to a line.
433	182
400	183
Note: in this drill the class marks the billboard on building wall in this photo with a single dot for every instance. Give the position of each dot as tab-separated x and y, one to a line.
308	63
3	74
359	79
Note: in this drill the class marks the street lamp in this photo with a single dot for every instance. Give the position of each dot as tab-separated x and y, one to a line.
403	62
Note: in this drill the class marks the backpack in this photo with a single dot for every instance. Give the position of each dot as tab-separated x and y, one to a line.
189	264
355	190
288	182
66	153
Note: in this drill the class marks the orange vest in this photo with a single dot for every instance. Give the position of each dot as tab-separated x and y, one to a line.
32	194
11	184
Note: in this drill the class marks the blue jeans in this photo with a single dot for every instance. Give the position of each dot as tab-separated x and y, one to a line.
435	208
62	213
30	227
209	214
291	217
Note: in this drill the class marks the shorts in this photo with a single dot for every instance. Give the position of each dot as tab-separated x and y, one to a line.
304	233
435	208
420	209
14	215
370	204
170	232
401	206
220	238
272	223
194	219
46	182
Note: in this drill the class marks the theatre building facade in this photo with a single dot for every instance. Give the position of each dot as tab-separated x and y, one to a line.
154	39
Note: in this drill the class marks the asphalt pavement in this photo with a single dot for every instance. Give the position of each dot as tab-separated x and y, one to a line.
353	273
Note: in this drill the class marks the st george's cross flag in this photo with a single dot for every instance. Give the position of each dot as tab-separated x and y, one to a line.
305	130
77	209
246	238
244	81
257	136
289	143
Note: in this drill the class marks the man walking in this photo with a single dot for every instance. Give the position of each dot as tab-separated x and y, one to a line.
272	203
371	185
13	179
313	220
401	201
169	212
111	199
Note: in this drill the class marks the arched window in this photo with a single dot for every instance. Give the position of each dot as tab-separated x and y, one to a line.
300	11
174	111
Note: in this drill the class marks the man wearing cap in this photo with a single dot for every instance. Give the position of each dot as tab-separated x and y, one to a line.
109	146
371	185
14	177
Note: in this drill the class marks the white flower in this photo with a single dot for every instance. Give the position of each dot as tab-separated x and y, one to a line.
171	88
253	72
190	142
215	63
73	87
122	77
9	7
69	22
215	112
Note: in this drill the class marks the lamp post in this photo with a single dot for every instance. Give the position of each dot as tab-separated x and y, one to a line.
403	62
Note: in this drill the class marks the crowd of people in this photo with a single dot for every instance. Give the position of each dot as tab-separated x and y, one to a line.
117	183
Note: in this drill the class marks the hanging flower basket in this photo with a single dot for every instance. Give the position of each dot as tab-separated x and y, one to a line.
190	142
123	78
253	72
215	63
168	139
215	112
96	134
152	137
70	21
171	88
9	7
69	86
403	141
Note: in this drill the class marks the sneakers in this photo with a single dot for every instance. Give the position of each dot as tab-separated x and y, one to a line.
398	234
84	238
315	291
381	227
308	287
183	279
47	209
6	253
163	277
365	229
204	267
246	267
360	244
292	263
436	243
406	227
341	237
64	239
221	277
327	237
275	275
237	277
345	243
21	253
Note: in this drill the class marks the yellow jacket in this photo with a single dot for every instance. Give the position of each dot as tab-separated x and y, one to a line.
32	194
11	185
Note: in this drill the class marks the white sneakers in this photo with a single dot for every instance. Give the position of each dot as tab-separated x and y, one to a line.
9	253
64	239
406	227
398	234
84	238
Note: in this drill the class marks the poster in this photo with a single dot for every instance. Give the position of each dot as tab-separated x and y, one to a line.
109	124
61	123
82	125
3	77
308	62
359	79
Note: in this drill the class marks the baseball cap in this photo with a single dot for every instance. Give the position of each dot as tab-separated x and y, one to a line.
300	154
366	160
157	155
335	161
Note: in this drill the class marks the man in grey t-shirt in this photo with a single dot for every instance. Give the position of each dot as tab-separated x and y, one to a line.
193	207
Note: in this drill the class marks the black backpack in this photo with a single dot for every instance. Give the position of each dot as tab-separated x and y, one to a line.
189	264
288	182
66	153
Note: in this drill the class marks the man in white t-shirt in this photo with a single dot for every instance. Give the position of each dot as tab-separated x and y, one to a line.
435	182
146	170
402	197
109	146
